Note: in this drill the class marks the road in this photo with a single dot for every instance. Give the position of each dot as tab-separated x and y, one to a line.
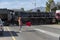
30	33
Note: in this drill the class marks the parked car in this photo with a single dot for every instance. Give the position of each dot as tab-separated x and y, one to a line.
1	27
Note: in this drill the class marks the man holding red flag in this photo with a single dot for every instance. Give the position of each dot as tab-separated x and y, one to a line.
20	23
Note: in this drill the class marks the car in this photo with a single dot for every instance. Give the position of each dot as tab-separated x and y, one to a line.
1	27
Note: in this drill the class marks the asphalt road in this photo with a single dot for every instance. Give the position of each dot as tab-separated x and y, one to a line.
29	33
50	28
26	34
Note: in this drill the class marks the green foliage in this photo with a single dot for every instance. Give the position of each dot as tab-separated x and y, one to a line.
22	9
48	6
54	9
50	1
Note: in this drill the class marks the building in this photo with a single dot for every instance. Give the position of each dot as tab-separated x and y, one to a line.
42	9
55	6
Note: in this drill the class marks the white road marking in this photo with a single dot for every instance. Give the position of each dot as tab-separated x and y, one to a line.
13	38
47	32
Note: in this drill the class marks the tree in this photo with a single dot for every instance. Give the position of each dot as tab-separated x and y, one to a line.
54	9
50	4
22	9
58	5
50	1
47	7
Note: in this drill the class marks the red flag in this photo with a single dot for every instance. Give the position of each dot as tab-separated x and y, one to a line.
28	24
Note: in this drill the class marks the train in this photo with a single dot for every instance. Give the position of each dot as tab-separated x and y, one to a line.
38	18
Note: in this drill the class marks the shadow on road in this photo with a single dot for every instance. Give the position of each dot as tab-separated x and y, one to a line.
29	31
8	34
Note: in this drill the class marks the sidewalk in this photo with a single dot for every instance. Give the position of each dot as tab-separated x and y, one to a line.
53	26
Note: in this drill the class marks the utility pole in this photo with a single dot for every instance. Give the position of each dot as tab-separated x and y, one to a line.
34	3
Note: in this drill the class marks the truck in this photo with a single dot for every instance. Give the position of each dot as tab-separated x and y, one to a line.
57	15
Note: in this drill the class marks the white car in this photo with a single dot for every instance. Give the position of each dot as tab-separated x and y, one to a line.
1	27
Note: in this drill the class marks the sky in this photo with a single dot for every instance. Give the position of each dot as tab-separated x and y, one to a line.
26	4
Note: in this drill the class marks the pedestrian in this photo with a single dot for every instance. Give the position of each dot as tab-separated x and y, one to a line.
20	23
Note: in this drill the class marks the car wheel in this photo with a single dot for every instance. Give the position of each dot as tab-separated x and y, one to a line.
1	33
